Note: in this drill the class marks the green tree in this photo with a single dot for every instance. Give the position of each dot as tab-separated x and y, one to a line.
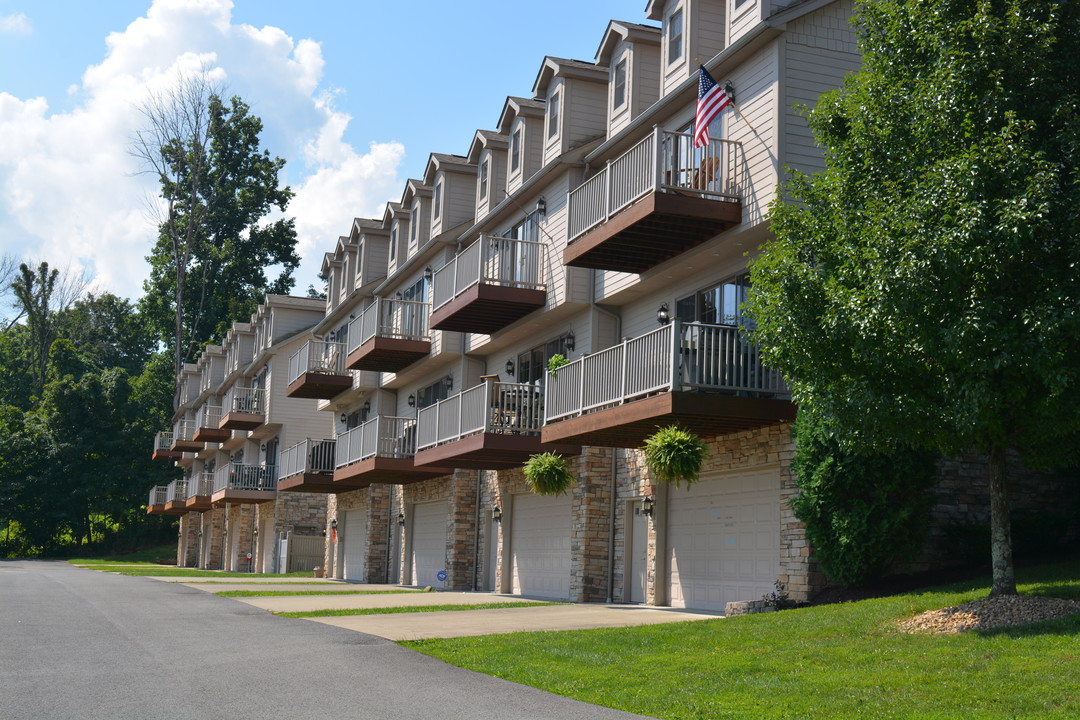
34	290
108	331
924	288
215	244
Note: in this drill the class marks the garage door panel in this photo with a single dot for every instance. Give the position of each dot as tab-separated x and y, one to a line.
540	546
429	543
355	545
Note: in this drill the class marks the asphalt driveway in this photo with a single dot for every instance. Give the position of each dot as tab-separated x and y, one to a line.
77	643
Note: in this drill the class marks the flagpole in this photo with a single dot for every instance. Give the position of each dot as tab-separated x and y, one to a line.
752	129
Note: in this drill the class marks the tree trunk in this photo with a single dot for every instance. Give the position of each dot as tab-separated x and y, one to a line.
1004	580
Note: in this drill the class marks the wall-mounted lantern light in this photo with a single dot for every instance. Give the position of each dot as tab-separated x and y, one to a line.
428	273
510	368
648	504
401	519
333	523
662	315
343	418
570	341
412	401
496	514
541	206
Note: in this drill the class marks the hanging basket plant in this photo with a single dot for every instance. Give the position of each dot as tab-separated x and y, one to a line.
673	455
548	474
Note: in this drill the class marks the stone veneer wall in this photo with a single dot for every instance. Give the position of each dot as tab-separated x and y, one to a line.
212	523
239	523
459	489
187	549
375	500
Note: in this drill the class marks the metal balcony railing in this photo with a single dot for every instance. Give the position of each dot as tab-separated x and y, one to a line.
507	262
679	356
663	161
184	430
209	416
158	495
307	457
237	476
245	400
202	485
382	436
491	407
317	356
163	440
176	491
398	319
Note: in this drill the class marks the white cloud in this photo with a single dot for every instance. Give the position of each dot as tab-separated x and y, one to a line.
70	189
15	24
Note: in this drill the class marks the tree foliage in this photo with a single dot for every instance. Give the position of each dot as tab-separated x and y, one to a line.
923	288
215	242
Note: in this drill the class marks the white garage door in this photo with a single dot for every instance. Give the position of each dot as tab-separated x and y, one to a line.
540	546
724	539
429	543
355	545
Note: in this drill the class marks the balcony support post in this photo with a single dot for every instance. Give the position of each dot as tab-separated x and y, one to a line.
654	158
676	356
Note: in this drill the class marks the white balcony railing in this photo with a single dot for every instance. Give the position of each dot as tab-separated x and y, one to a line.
176	491
490	261
679	356
662	161
158	495
201	485
184	430
236	476
307	457
163	440
245	400
381	436
209	416
398	319
492	407
317	356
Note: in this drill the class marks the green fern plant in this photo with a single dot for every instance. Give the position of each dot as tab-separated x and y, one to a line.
555	362
548	474
673	455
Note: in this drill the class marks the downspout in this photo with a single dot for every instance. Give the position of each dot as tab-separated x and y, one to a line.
611	528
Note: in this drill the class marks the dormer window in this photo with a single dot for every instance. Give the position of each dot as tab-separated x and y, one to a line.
436	201
618	85
553	116
675	36
484	178
515	149
393	242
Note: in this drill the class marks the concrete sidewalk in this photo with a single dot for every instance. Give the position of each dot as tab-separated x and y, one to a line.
308	603
244	582
222	585
448	624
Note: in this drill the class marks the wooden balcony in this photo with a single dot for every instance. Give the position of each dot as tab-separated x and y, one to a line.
491	426
656	201
183	439
207	426
163	448
707	378
380	450
200	492
317	370
389	336
308	466
244	408
492	283
244	484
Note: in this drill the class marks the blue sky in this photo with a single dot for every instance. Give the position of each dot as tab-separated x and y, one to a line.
353	94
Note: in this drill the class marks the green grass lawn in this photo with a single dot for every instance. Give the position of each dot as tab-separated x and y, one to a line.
290	593
148	556
836	661
341	612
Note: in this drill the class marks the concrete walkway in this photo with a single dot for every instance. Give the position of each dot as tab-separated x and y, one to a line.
309	603
217	586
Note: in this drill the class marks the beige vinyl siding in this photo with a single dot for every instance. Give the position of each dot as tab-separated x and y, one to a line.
645	76
755	82
497	179
299	417
289	321
553	144
820	50
743	18
709	30
618	117
678	71
376	254
459	194
584	112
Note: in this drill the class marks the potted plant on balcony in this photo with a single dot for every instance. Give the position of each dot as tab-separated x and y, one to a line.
548	474
674	454
555	362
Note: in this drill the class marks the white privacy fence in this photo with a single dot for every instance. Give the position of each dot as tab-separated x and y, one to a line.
158	495
236	476
245	400
495	407
317	356
307	457
507	262
382	436
398	319
692	356
299	553
661	161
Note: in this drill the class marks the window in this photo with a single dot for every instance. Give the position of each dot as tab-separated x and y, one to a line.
675	36
515	149
433	393
532	364
484	178
393	241
740	3
618	91
553	116
436	202
414	223
720	304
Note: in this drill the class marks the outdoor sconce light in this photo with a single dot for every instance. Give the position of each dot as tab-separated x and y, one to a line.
570	341
648	504
401	519
449	382
541	206
496	514
662	315
510	368
367	405
255	532
730	90
412	401
333	523
263	447
343	418
427	273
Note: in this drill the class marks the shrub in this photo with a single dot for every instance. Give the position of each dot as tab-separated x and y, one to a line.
863	511
674	454
548	474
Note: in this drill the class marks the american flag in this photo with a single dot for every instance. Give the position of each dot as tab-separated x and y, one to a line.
711	100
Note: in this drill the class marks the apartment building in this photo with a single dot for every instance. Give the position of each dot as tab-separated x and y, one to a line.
232	422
